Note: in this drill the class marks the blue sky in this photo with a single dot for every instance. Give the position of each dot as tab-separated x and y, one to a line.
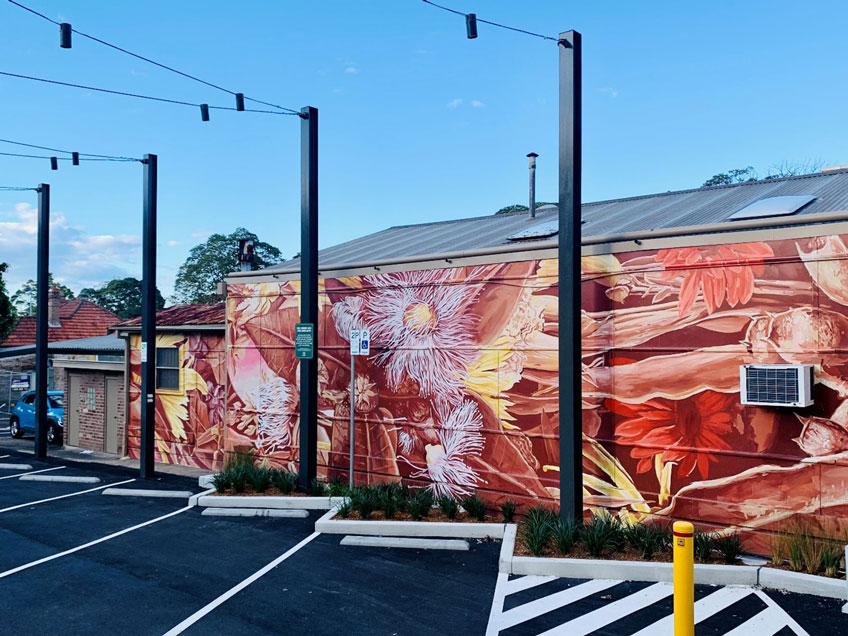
417	123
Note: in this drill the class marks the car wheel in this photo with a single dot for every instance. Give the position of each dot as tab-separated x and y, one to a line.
15	428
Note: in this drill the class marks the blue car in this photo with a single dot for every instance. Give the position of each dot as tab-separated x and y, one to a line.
23	416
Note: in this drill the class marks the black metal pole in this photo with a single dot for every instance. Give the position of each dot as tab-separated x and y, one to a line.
148	320
308	465
570	360
41	318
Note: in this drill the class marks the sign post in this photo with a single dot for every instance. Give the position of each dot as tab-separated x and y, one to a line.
304	341
360	345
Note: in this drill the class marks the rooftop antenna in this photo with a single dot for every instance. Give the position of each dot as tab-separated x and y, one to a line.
532	213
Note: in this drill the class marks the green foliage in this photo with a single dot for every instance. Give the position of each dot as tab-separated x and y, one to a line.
831	558
259	478
26	297
603	533
209	263
317	488
537	529
647	539
729	546
795	551
566	532
508	511
388	502
736	175
337	487
519	207
364	500
418	505
448	505
238	477
8	313
284	480
704	545
475	507
121	296
345	509
222	481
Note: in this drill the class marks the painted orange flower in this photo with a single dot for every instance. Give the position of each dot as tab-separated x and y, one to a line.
719	272
680	431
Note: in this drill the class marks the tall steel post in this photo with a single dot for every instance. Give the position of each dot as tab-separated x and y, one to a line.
41	318
148	320
308	461
570	360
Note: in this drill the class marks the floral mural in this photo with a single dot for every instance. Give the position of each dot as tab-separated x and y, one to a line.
189	421
460	393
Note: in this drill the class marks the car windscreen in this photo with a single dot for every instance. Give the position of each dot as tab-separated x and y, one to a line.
56	401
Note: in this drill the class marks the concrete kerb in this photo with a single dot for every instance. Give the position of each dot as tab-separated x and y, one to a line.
15	466
705	574
140	492
64	479
405	542
327	525
192	501
288	513
277	503
205	481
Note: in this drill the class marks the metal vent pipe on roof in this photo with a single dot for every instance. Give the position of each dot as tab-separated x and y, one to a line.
532	209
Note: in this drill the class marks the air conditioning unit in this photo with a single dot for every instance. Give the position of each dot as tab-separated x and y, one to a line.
777	384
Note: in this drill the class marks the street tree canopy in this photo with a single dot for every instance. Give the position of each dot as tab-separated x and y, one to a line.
209	263
121	296
26	297
8	316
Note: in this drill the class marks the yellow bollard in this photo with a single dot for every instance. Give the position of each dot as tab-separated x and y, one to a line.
684	579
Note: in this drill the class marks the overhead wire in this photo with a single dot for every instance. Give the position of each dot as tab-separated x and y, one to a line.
16	189
25	156
479	19
289	111
137	95
69	152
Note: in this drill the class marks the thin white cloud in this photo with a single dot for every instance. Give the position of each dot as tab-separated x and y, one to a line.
203	234
174	243
611	92
455	103
351	70
476	103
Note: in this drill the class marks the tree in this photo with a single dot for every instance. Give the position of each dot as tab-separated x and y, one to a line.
8	315
737	175
519	207
121	296
26	297
209	263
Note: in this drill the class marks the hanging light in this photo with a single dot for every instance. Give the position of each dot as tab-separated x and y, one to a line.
239	101
54	163
75	158
65	35
204	112
471	25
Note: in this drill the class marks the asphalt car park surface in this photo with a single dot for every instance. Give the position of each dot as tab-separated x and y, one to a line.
75	562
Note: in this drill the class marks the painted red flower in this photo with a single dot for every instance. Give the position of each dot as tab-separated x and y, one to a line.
719	272
681	431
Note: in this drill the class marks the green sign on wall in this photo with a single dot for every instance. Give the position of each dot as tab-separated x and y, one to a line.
304	340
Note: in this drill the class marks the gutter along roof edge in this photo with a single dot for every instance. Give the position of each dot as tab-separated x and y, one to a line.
519	246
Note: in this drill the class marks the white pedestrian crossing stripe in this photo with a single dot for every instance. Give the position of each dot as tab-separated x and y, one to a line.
530	605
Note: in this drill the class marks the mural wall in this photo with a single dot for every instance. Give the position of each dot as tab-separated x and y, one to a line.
189	421
460	392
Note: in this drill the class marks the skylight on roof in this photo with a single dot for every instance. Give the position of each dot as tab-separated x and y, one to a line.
540	230
773	206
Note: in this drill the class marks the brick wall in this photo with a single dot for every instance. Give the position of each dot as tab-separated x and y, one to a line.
92	421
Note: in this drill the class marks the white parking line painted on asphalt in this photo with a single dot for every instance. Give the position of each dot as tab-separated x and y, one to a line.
4	456
554	601
32	472
711	604
596	619
525	583
203	611
108	537
790	622
72	494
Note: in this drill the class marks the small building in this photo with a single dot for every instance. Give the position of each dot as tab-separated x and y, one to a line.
190	384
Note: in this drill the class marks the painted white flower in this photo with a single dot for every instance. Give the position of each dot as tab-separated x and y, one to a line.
347	315
276	402
421	324
446	465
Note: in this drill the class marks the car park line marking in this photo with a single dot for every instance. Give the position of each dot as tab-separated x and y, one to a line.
203	611
4	456
711	604
32	472
108	537
73	494
790	622
546	604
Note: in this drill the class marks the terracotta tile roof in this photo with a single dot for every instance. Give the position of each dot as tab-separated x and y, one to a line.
178	315
79	319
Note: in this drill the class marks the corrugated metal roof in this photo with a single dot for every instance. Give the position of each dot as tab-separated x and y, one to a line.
109	345
701	206
180	315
